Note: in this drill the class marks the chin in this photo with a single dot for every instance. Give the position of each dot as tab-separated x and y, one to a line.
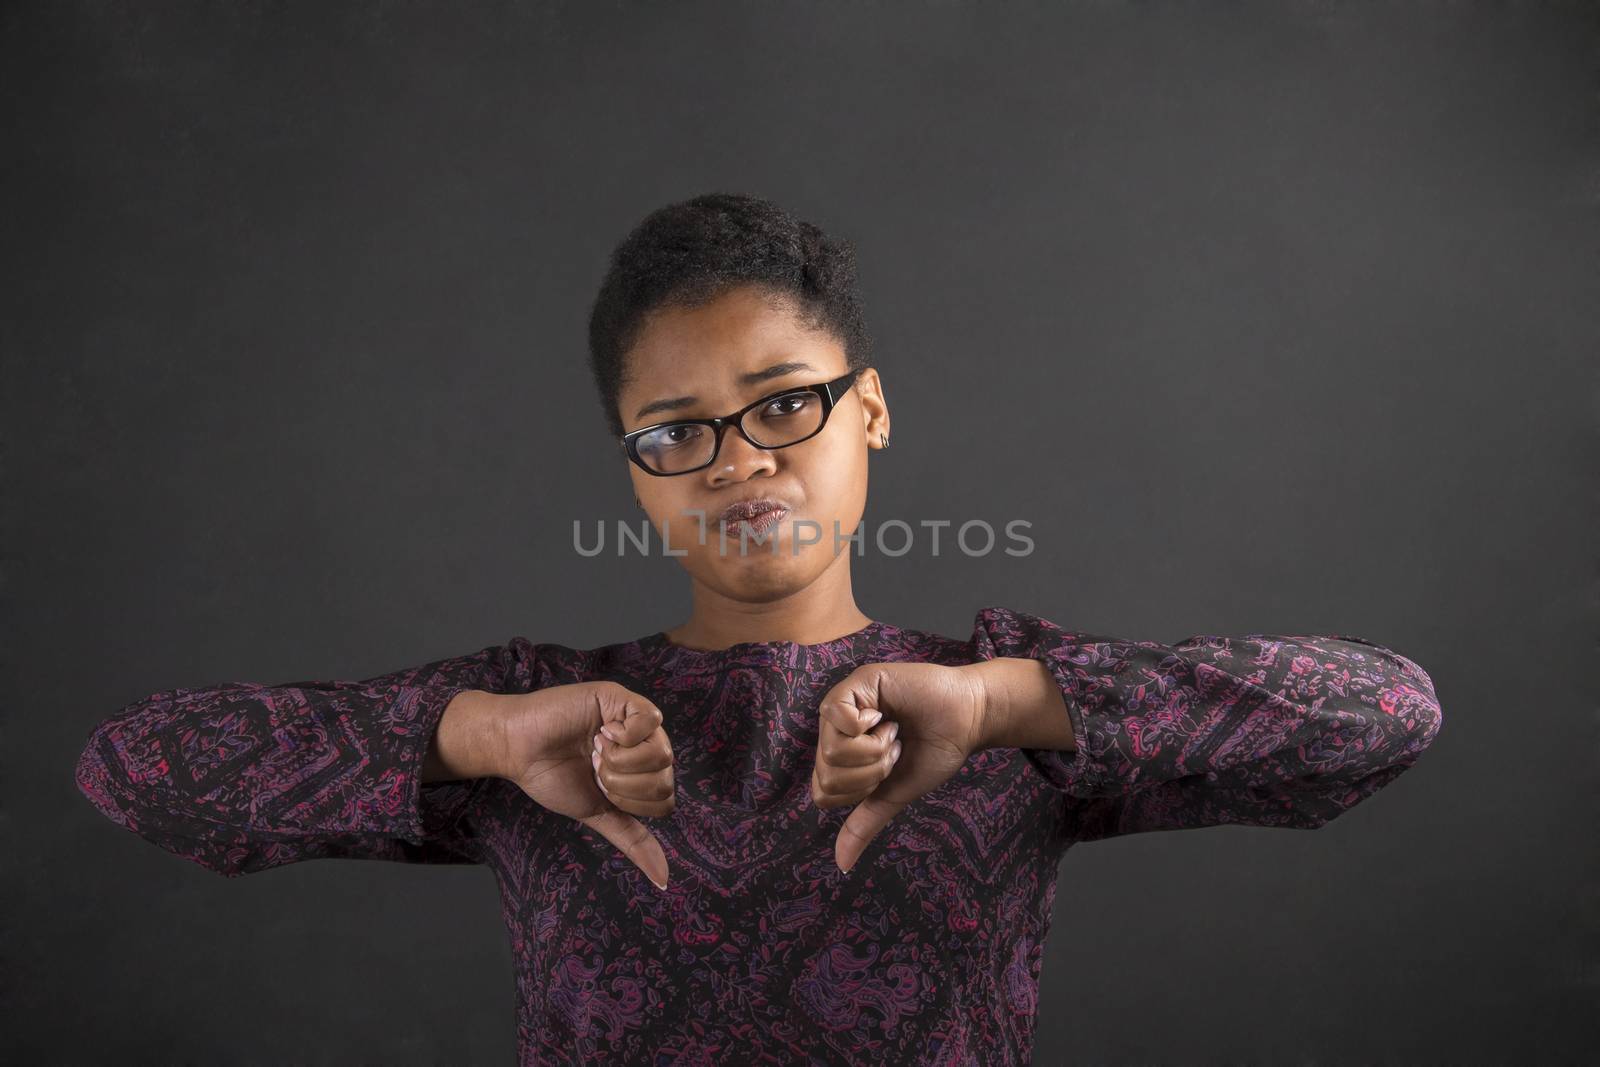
761	575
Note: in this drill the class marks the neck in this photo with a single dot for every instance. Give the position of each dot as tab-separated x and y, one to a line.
822	611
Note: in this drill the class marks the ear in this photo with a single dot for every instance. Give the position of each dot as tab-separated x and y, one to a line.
874	408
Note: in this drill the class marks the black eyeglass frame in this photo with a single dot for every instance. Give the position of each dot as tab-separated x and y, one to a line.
830	392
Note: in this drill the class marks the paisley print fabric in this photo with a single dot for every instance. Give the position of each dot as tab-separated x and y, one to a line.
760	951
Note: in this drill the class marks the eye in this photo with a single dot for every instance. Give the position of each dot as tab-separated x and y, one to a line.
673	435
788	404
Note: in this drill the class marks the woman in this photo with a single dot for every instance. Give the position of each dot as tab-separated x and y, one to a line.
854	826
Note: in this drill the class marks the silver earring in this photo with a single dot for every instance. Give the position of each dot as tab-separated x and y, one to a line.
884	438
639	502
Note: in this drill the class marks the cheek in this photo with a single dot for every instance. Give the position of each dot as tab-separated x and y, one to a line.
836	490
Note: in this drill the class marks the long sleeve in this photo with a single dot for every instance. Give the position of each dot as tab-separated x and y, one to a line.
1256	730
241	777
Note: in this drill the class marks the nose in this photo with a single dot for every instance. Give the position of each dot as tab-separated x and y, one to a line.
738	460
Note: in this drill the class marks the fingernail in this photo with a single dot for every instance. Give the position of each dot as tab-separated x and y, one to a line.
659	885
894	730
894	753
846	870
606	729
594	758
873	719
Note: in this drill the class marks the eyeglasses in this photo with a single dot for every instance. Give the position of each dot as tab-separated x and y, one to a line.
776	421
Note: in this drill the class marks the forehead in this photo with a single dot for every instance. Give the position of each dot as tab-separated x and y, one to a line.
703	351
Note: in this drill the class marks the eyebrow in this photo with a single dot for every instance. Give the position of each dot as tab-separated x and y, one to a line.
777	370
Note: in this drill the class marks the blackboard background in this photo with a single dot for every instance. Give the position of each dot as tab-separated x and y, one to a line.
1269	317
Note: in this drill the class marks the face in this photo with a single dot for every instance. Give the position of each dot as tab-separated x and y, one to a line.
704	362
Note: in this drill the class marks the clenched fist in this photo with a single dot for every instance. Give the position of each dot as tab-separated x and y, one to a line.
889	733
594	752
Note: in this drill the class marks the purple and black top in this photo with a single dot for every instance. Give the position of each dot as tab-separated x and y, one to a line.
760	951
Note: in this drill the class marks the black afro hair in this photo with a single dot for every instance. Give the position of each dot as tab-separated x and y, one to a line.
691	252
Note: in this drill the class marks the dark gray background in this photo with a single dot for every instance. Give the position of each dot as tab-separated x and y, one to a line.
1270	318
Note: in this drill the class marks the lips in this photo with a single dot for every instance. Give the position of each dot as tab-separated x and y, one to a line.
760	513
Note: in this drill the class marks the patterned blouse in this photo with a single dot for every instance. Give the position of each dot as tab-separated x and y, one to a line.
760	951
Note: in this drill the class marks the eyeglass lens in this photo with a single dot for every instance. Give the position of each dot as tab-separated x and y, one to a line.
683	446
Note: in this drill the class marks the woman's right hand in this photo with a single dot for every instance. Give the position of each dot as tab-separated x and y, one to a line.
555	752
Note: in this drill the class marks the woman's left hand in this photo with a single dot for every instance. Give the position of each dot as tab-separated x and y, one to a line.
932	719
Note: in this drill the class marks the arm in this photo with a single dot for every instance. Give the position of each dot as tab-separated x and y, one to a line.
1257	730
241	777
470	740
1022	706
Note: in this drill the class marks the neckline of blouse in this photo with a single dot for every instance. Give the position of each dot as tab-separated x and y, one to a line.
791	652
